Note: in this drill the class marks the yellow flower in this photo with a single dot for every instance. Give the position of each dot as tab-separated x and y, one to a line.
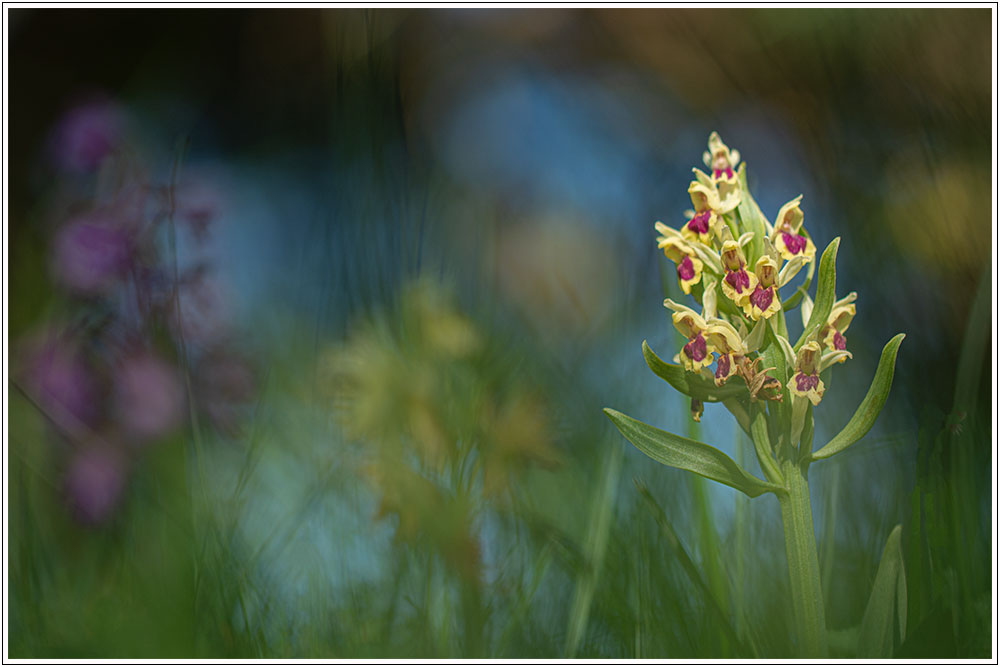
840	318
724	194
787	237
805	381
689	267
725	340
696	353
738	284
763	301
721	160
702	224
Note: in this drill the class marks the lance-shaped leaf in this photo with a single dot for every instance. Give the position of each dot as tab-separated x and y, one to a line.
752	218
888	594
825	293
866	414
686	454
755	338
691	384
806	310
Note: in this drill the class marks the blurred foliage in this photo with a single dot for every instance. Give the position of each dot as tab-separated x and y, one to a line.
440	259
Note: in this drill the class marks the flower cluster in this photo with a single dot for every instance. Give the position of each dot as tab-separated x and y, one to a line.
446	433
131	334
735	262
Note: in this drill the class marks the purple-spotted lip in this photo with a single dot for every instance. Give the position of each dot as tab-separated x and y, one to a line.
839	341
696	348
728	171
805	382
686	269
722	367
762	297
699	223
738	280
794	242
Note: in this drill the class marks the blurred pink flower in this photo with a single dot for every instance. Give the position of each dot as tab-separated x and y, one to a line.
94	483
90	253
86	135
148	398
58	378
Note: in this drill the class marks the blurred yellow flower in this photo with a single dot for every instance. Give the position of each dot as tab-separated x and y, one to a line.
414	390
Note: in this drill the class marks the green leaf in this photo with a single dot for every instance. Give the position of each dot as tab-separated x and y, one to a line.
752	218
888	595
692	384
686	454
866	414
825	293
843	643
774	356
762	445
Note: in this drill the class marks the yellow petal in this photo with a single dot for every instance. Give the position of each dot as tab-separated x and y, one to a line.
790	216
723	336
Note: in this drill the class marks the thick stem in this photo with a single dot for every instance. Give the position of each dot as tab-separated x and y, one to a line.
803	562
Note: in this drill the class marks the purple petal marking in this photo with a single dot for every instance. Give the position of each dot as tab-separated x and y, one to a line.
722	367
805	382
686	269
699	223
794	242
839	341
738	280
696	349
762	297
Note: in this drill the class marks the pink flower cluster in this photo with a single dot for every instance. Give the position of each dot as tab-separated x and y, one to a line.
136	336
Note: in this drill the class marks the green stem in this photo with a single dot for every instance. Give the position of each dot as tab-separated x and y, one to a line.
762	445
803	562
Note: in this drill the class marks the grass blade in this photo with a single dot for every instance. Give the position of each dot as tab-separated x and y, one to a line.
888	592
